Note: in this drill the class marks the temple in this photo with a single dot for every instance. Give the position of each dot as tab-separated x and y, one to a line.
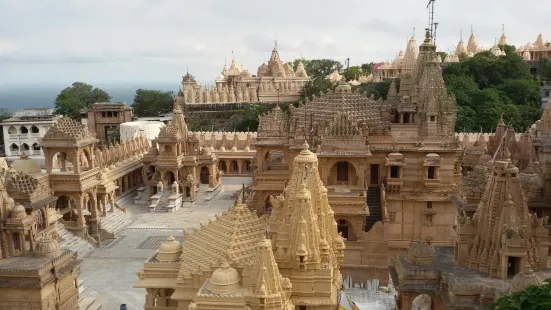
388	166
274	81
242	261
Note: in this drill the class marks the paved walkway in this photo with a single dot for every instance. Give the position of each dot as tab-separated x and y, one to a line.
110	272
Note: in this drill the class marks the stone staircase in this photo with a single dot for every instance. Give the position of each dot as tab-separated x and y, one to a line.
163	201
112	224
374	204
86	303
70	241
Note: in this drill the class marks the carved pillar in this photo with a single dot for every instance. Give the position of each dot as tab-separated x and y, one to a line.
79	206
76	162
212	175
240	166
94	216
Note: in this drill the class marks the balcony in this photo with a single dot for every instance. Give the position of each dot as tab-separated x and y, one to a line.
432	184
394	185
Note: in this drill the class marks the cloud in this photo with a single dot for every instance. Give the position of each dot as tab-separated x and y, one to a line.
155	40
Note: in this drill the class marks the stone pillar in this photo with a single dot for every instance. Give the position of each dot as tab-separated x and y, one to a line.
76	162
401	118
94	217
360	175
212	176
79	204
240	166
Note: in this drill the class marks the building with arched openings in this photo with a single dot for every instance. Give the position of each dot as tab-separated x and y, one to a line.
23	132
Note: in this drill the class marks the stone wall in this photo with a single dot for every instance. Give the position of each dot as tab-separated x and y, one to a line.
220	116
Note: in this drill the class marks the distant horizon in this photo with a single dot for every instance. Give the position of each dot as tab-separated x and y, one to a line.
27	96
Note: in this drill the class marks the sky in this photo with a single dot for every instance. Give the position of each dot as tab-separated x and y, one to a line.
57	42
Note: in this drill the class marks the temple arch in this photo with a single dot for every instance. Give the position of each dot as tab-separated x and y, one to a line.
222	166
275	160
12	130
346	229
343	173
234	167
34	129
204	175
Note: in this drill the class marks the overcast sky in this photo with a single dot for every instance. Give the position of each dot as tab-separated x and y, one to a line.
154	41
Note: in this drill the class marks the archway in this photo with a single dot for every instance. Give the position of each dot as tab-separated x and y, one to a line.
275	160
345	228
247	166
24	130
204	175
268	206
25	147
234	168
422	302
222	166
342	173
14	148
36	149
12	130
170	177
168	150
34	129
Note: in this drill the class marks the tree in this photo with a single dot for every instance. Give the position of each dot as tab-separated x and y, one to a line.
352	73
318	68
378	90
315	87
367	68
486	87
545	69
149	102
442	55
72	101
532	297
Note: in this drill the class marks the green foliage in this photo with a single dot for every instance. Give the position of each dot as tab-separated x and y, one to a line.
250	117
148	102
378	90
442	55
352	73
79	97
531	298
487	86
318	69
545	69
367	68
315	87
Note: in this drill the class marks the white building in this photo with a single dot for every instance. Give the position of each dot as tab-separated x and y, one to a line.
148	129
24	130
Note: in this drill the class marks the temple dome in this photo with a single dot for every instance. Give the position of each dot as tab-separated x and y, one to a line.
420	253
206	151
224	279
525	279
26	165
18	212
170	250
47	247
306	156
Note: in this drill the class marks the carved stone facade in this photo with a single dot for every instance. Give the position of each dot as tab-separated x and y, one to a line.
228	263
275	82
393	162
35	273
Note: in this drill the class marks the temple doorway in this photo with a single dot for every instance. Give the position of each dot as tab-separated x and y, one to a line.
171	178
422	302
204	175
513	266
188	191
234	167
222	166
268	206
344	228
342	171
374	179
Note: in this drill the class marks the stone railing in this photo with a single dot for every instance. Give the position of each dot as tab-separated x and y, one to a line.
118	153
226	141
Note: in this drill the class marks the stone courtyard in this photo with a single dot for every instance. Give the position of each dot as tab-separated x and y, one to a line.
109	272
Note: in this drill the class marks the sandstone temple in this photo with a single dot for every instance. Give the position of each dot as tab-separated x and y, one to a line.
274	81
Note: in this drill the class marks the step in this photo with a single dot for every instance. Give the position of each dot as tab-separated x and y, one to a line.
86	302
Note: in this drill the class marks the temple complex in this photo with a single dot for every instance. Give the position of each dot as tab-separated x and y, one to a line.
274	81
34	271
388	167
242	261
176	165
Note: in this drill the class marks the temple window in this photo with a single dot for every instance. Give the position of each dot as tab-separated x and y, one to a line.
34	129
433	118
12	130
115	114
431	173
103	114
429	204
406	118
109	114
16	242
342	171
24	130
394	172
14	147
